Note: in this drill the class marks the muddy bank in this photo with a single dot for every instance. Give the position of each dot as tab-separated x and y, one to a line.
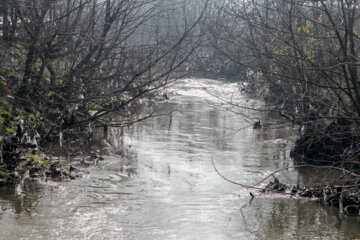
33	164
334	145
337	143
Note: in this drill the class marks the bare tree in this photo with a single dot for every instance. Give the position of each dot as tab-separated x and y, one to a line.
302	55
88	58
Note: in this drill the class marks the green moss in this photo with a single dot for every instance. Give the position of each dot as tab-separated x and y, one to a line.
6	114
33	154
19	48
18	113
44	163
36	158
10	131
9	118
94	106
59	82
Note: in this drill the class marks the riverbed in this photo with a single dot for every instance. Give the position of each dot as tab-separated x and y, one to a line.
158	181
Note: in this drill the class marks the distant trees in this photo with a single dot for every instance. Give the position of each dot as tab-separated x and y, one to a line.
302	54
84	59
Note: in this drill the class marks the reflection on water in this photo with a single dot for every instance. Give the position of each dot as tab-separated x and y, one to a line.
22	198
157	181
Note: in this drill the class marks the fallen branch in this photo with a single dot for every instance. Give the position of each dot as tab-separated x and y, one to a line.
348	201
255	185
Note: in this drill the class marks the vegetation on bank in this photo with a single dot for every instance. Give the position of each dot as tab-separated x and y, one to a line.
33	164
303	57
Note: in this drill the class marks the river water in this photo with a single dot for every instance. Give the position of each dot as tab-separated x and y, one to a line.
158	180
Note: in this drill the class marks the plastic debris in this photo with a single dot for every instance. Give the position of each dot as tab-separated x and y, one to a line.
60	138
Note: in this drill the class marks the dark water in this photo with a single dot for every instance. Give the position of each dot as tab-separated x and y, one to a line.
162	184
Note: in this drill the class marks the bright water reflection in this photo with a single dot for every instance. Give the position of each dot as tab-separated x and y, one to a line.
164	185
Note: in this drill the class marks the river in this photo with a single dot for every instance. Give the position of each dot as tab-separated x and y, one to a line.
158	181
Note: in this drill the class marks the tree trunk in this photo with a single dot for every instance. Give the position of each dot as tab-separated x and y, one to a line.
27	70
6	24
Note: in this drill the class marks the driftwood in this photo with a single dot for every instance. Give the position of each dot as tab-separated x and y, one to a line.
346	198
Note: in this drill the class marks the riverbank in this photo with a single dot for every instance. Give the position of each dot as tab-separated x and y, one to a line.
323	139
332	143
33	164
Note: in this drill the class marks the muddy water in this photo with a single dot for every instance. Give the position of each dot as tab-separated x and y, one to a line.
158	182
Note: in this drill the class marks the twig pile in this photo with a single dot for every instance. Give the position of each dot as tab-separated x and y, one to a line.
346	198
